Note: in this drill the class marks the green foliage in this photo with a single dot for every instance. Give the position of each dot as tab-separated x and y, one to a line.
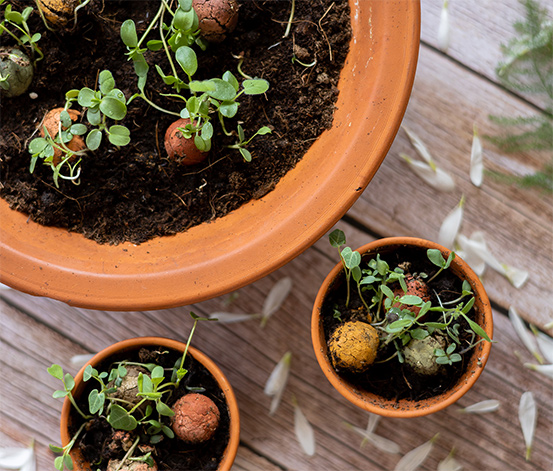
204	98
17	21
148	412
394	315
528	68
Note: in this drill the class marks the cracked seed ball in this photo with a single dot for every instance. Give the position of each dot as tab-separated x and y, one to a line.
51	123
419	354
353	346
128	389
58	12
196	418
131	466
181	149
16	67
415	287
217	18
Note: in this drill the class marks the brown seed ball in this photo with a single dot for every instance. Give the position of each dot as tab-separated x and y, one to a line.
131	466
180	149
415	287
419	354
51	122
128	389
217	18
196	418
353	346
58	12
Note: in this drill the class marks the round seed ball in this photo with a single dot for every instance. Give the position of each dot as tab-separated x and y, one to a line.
196	418
180	149
51	123
131	466
17	67
58	12
415	287
217	18
353	346
419	354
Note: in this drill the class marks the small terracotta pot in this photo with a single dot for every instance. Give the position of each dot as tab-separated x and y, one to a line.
223	255
405	408
134	344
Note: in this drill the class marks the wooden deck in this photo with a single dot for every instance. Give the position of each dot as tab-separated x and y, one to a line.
452	91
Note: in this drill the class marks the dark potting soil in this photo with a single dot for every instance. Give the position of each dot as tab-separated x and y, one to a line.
135	193
96	442
391	379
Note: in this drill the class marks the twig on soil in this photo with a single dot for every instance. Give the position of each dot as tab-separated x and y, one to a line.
289	25
323	31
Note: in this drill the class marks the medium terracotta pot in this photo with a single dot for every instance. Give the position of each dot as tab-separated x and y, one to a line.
215	258
405	408
133	345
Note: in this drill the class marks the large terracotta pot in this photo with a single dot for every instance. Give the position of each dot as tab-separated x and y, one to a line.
134	344
217	257
405	408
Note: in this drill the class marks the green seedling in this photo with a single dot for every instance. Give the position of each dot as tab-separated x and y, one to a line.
15	24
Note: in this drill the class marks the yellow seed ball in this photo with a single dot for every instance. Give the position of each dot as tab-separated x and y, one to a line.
58	12
353	346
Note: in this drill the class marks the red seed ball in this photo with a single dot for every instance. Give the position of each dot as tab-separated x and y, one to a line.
218	18
196	418
51	122
181	149
415	287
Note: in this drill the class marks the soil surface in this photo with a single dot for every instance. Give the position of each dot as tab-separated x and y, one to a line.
135	193
391	379
97	444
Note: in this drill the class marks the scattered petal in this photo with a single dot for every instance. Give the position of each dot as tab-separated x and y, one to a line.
524	334
304	431
80	360
382	443
373	422
450	225
230	317
22	459
418	145
516	276
528	416
443	29
277	381
413	459
432	175
476	159
545	344
2	286
450	463
549	325
546	370
471	250
278	294
489	405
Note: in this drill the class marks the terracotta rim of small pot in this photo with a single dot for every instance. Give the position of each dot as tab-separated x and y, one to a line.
405	408
215	258
139	342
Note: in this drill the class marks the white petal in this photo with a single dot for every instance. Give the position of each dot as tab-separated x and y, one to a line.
546	370
476	159
304	431
16	458
545	343
382	443
449	463
528	416
516	276
230	317
279	292
450	225
443	29
432	175
373	422
2	286
549	325
524	334
418	145
489	405
470	251
278	378
413	459
80	360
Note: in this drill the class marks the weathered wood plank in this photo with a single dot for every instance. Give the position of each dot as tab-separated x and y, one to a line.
517	223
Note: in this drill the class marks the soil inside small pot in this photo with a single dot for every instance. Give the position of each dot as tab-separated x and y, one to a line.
134	193
391	379
96	442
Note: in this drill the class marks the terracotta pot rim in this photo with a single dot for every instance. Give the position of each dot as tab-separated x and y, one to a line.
404	408
261	236
136	342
